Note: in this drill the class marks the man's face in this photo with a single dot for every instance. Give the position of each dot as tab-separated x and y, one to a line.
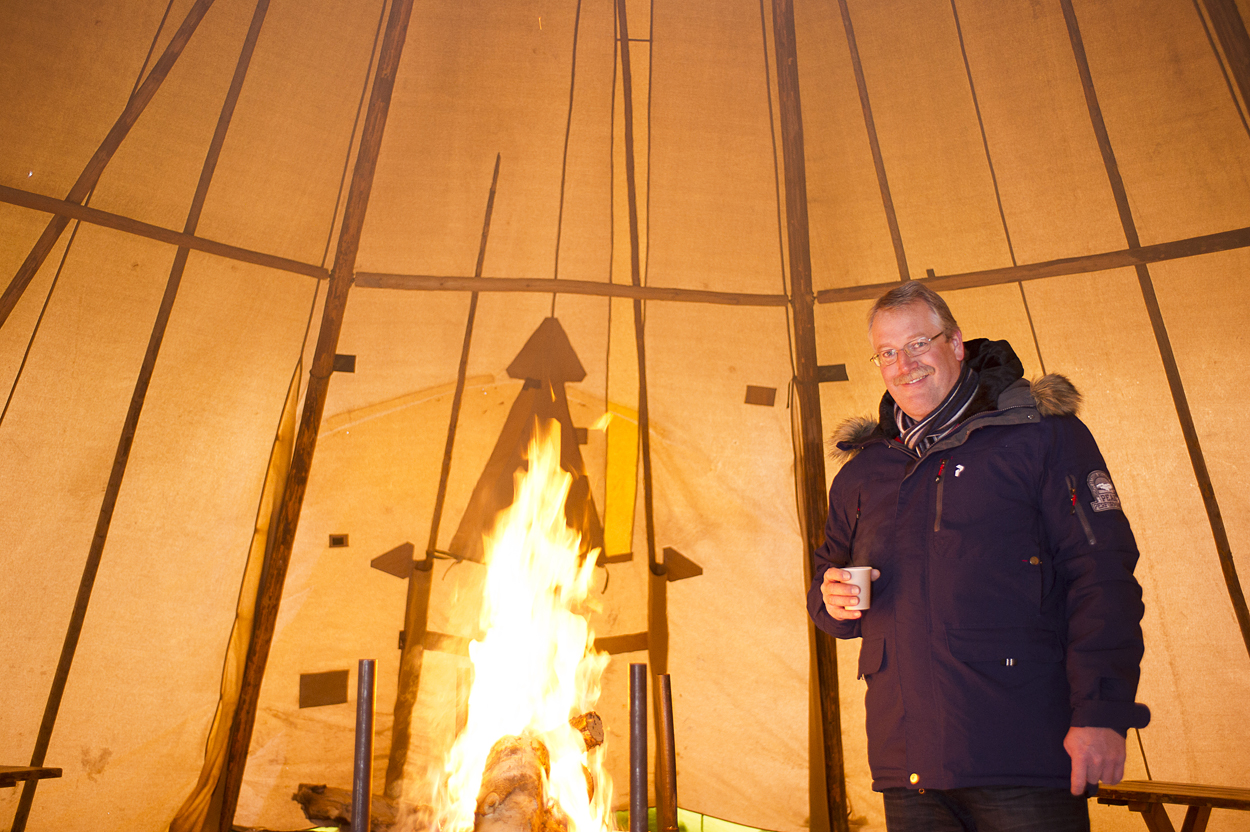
918	384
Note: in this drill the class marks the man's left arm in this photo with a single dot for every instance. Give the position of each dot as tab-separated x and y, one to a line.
1094	557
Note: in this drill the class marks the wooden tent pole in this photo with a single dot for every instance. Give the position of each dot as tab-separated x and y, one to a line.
657	592
1171	369
130	426
1230	29
561	286
314	404
874	144
1231	240
95	167
416	611
117	222
807	388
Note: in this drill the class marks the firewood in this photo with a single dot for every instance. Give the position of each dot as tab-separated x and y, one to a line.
590	725
513	796
333	805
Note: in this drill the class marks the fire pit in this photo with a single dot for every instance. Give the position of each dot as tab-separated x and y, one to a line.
530	755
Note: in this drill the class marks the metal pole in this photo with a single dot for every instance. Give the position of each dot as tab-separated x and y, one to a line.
637	748
665	757
362	781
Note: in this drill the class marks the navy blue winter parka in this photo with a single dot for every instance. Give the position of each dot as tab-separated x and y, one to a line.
1006	611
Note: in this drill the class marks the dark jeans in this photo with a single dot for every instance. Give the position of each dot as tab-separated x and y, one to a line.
985	809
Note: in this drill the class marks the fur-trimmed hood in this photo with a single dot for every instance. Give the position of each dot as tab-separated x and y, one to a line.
1051	395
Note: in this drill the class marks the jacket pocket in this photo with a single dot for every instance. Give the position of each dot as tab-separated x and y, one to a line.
871	656
1079	511
1006	703
1006	645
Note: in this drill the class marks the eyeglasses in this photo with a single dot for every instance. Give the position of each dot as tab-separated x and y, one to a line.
918	347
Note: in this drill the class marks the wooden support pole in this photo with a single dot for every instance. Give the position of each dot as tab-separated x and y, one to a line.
1230	29
411	661
874	144
810	467
1231	240
416	612
117	222
314	404
1134	256
95	166
130	426
563	286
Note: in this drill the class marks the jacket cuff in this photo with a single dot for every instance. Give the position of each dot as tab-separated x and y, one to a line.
1121	716
840	629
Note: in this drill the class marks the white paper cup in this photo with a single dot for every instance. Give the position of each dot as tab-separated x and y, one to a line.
861	576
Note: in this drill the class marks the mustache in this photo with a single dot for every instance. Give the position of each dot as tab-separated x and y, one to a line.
914	375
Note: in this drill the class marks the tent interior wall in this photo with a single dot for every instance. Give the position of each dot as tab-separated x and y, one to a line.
1074	175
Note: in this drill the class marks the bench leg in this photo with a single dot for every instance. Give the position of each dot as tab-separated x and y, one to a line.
1196	819
1155	816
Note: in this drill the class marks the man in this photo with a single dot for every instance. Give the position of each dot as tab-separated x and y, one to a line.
1003	641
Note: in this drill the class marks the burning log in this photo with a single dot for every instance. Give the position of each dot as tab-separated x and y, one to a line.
513	797
590	726
536	657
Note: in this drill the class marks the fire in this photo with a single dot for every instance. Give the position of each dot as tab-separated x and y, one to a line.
535	666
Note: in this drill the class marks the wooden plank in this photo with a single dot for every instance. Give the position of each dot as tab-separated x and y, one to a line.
628	643
1159	252
117	222
90	175
1162	791
809	457
452	645
130	426
314	405
1180	400
449	283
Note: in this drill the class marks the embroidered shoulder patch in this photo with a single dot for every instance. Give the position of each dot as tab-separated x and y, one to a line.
1105	498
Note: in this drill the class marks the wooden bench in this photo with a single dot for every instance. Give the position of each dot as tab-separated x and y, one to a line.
12	775
1148	797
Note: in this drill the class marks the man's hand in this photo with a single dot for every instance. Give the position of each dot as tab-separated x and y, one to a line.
838	594
1097	756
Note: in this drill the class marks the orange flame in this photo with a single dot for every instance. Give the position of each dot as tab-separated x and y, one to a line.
536	666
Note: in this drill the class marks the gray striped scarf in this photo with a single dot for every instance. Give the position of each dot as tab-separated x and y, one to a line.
918	435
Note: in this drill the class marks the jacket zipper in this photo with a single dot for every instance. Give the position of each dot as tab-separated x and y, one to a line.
937	521
1080	512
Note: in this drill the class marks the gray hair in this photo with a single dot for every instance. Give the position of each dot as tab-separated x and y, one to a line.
914	292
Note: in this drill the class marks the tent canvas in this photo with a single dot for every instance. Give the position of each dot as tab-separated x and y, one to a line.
1074	175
